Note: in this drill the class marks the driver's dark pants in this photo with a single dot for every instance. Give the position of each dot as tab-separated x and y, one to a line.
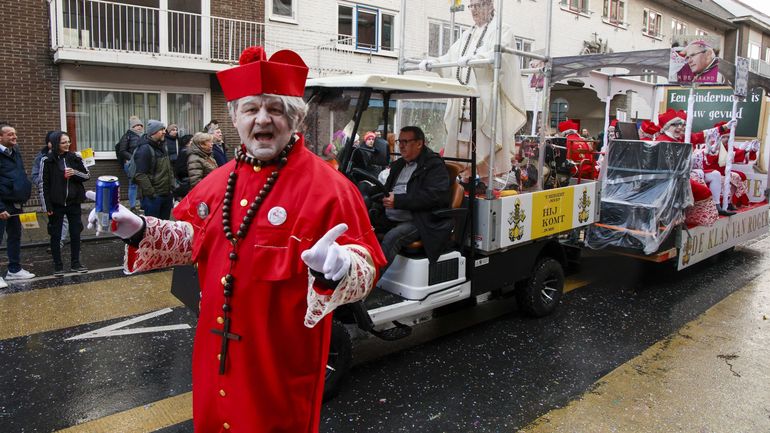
398	235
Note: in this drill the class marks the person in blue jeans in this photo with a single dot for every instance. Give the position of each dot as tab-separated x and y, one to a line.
153	172
15	190
126	147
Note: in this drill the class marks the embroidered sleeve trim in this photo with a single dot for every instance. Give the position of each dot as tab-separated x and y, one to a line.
165	243
353	287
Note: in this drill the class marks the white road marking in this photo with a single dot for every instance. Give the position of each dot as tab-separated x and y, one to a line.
114	329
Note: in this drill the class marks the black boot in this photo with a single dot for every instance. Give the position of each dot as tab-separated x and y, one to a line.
724	212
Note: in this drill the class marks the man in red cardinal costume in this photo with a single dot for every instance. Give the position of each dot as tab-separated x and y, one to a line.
648	130
280	239
706	187
578	151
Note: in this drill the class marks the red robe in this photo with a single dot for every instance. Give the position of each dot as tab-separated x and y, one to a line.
274	375
579	152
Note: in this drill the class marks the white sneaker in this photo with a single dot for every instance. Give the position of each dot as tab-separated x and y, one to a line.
3	284
21	275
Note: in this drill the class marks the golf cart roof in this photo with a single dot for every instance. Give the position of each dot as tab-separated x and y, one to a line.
410	86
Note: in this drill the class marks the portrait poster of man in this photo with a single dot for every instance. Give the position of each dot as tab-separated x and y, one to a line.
694	59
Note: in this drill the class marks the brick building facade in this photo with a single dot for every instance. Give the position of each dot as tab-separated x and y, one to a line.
65	70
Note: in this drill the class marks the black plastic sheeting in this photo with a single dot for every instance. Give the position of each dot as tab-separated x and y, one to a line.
644	194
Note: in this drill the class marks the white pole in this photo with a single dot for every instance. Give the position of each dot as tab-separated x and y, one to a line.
607	102
690	105
401	38
546	98
730	154
495	99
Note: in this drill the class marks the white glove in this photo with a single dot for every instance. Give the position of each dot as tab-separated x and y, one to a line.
425	65
125	223
731	124
463	60
327	256
753	146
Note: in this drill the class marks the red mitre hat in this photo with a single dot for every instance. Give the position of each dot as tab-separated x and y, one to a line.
650	128
670	116
614	123
567	125
284	74
723	130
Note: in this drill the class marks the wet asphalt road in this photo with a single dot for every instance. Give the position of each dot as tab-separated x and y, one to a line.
487	369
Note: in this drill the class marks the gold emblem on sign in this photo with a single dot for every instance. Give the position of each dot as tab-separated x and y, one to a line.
516	220
584	204
687	253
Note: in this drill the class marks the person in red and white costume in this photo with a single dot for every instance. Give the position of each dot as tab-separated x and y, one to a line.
578	151
715	160
706	187
280	239
648	130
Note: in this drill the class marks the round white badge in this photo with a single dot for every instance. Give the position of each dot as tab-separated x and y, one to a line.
277	216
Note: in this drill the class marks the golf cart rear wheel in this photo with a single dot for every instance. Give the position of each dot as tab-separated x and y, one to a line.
338	361
542	293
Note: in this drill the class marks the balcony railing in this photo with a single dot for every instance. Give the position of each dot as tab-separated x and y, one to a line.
759	67
96	25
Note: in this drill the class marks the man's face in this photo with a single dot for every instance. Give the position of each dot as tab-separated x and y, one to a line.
481	11
408	146
263	126
8	136
369	142
698	57
676	129
217	135
158	136
173	132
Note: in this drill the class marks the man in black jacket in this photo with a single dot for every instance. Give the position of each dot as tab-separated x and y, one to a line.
153	172
417	185
126	147
15	189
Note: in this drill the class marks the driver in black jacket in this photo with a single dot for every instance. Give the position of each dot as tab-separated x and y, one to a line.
417	185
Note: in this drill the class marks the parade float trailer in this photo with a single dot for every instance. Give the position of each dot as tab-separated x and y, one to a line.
639	194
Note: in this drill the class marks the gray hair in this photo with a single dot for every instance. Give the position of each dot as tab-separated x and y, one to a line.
294	108
201	137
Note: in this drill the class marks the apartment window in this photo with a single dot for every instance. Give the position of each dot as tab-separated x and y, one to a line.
614	11
754	50
559	108
651	23
439	37
678	27
578	6
701	32
97	118
366	28
767	55
283	9
523	45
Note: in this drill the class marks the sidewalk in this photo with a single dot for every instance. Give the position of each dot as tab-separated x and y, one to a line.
711	377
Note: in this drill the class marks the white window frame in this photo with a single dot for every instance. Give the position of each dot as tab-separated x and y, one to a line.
520	45
566	5
379	12
118	87
441	42
656	33
678	23
617	21
757	50
767	55
701	32
281	18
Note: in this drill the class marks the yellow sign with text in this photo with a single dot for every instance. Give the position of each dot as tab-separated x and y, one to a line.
552	211
29	220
